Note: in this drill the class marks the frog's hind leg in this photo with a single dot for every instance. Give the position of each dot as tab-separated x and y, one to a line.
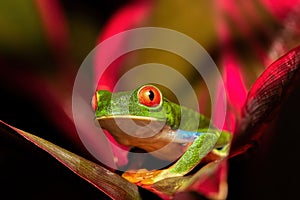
202	145
206	141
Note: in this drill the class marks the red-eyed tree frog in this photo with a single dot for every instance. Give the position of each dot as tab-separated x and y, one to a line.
143	118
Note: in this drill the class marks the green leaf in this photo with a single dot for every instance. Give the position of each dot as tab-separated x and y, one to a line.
209	182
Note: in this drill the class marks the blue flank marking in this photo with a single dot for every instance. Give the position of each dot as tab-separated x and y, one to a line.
183	136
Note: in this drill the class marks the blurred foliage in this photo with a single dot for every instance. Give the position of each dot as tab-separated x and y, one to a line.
21	29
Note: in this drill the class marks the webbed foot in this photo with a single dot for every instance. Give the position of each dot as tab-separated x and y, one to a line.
145	177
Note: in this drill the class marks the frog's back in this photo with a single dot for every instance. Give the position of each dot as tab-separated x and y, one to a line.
189	119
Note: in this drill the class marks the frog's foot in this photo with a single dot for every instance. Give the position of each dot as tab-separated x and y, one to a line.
145	177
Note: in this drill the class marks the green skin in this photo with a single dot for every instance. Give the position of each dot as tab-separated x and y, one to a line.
185	132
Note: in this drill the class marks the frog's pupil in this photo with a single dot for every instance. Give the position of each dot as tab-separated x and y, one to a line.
151	95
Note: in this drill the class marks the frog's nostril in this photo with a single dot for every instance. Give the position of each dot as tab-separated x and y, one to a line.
94	102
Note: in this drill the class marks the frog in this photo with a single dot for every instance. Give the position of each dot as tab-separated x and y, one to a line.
145	119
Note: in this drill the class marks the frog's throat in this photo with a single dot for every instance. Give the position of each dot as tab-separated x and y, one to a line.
135	126
127	129
147	133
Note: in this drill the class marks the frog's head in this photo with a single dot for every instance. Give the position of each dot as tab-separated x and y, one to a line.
140	113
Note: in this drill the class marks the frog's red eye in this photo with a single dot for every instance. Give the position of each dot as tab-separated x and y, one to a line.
94	102
149	96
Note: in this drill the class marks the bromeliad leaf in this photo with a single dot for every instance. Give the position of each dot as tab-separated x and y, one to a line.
118	188
265	98
106	181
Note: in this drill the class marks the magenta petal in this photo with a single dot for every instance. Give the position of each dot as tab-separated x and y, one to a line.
128	17
234	83
236	92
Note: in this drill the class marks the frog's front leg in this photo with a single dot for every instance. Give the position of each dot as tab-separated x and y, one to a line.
202	145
